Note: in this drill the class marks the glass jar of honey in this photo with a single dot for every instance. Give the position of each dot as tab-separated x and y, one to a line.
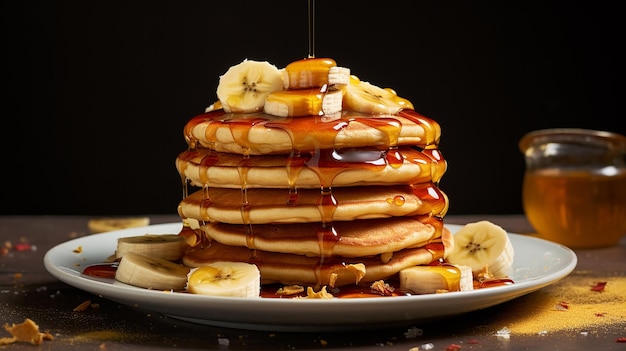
574	188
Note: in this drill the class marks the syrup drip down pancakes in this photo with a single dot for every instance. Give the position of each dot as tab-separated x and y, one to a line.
313	175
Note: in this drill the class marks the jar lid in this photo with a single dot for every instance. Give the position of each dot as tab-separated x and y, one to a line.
573	135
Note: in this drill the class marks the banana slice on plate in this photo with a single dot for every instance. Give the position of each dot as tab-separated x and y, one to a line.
151	272
244	87
107	224
166	246
434	279
368	98
237	279
483	245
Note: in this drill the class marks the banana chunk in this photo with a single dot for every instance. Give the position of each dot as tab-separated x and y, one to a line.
483	245
314	72
436	279
368	98
236	279
244	87
304	102
151	272
166	246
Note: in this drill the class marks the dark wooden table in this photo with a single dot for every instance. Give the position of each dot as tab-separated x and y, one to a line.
27	290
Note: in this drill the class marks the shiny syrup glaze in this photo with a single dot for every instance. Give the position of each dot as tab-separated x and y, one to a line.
327	164
327	161
302	130
101	270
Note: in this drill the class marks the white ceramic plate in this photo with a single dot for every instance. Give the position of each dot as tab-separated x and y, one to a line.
537	263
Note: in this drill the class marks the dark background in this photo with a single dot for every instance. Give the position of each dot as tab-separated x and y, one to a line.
98	92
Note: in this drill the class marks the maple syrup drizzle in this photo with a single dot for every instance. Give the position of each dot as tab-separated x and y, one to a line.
208	160
314	147
182	163
243	169
205	205
391	127
101	270
311	15
397	200
451	273
432	129
490	283
320	129
431	195
371	159
295	163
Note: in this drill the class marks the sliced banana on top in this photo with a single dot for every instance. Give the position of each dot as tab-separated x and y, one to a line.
254	86
368	98
236	279
244	87
166	246
310	89
483	245
304	102
314	72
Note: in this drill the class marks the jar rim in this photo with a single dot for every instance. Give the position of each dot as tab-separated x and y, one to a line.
572	135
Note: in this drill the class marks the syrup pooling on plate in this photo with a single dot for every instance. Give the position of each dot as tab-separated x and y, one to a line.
101	270
107	271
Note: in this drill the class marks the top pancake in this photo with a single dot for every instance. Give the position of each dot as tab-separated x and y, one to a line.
261	134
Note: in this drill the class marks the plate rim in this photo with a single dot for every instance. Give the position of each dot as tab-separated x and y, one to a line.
126	295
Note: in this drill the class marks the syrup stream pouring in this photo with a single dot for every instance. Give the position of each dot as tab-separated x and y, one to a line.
311	12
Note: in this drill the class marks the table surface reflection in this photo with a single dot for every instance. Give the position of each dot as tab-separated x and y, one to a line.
27	290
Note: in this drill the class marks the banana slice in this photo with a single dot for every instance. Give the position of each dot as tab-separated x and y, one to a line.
99	225
244	87
436	279
483	245
237	279
368	98
166	246
217	105
151	272
314	72
304	102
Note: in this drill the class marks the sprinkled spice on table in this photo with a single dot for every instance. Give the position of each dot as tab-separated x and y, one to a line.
580	304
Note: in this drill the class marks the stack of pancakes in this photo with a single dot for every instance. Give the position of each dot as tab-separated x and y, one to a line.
320	200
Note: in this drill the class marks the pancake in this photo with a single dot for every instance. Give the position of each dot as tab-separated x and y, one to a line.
262	134
318	198
351	167
288	268
263	205
348	239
